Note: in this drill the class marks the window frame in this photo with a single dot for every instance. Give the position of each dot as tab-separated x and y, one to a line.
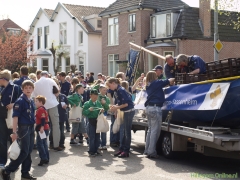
133	23
168	25
115	28
168	52
64	33
45	66
115	65
39	37
46	37
68	67
99	25
151	21
80	37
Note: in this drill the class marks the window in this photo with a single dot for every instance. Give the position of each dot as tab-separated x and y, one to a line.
162	25
80	37
45	64
113	31
31	45
63	33
59	64
168	53
153	26
168	25
81	64
46	36
153	61
112	65
99	23
68	64
39	31
132	22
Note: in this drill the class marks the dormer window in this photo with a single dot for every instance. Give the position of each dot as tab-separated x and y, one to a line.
99	23
162	25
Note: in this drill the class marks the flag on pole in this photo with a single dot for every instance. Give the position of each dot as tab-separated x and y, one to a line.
132	66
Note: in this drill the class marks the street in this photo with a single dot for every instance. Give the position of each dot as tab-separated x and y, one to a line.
74	164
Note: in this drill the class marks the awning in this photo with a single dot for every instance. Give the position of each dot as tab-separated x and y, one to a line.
162	44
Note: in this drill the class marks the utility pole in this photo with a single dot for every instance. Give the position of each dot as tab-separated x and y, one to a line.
216	36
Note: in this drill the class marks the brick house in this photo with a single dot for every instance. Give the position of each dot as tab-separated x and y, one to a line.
165	27
7	25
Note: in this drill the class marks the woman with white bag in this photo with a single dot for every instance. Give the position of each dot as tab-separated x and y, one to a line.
8	95
125	104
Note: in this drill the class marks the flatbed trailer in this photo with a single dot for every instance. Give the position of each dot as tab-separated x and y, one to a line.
210	141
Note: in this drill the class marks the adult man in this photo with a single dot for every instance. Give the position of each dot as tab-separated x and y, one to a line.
65	89
159	71
195	64
23	74
65	86
170	68
44	87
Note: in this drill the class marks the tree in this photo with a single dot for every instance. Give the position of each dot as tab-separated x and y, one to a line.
58	52
230	9
13	50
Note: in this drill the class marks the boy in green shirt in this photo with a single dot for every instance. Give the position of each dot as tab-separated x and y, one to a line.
91	109
76	100
103	99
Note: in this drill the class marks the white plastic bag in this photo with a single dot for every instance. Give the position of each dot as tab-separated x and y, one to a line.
102	124
14	150
120	117
115	127
75	115
9	120
118	121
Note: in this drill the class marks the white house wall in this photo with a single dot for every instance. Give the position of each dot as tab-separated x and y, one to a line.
95	53
91	47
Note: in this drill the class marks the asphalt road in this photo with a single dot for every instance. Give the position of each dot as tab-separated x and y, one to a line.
74	164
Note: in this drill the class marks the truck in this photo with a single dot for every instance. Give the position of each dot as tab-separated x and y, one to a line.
211	127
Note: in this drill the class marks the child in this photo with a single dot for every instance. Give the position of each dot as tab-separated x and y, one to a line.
24	120
76	100
42	126
91	109
103	99
63	117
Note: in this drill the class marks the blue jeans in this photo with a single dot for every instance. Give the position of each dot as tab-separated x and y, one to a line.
42	146
26	139
114	138
103	141
154	116
125	132
4	136
94	139
62	135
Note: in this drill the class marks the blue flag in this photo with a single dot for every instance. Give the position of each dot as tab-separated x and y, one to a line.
132	66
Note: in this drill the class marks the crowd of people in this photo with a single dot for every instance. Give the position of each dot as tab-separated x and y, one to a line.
42	104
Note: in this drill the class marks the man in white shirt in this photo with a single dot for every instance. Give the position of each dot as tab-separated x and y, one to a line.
44	87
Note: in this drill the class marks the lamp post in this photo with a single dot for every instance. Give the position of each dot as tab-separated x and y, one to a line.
216	36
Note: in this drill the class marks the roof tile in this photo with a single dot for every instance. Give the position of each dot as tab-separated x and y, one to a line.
80	12
123	5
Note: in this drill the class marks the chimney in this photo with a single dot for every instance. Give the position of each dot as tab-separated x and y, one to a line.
205	16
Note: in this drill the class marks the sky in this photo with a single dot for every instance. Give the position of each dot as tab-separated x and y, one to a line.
22	12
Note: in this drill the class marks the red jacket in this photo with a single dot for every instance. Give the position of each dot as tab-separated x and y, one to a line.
41	114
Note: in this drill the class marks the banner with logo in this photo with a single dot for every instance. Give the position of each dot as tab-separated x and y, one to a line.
195	96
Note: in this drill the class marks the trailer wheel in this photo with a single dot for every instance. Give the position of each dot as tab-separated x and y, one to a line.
167	145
